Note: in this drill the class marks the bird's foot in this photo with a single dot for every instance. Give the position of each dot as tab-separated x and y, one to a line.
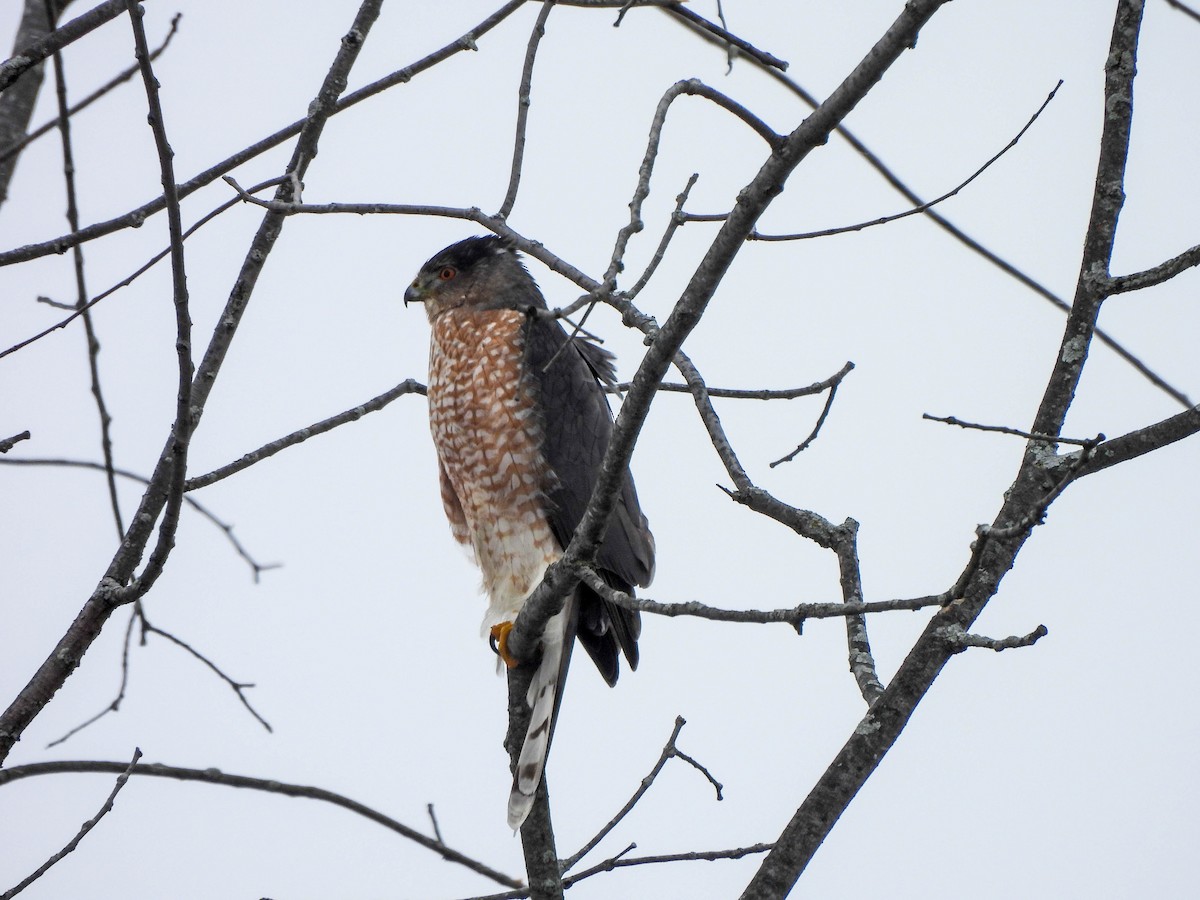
500	643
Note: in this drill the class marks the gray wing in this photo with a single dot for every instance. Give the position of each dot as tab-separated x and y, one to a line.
576	427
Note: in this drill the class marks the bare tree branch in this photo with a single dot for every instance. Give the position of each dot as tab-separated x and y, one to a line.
129	279
959	640
135	218
884	220
725	37
514	178
10	150
795	616
1004	429
669	751
1134	444
172	469
28	57
1163	272
993	556
266	785
115	704
111	592
752	201
408	386
83	831
537	831
862	662
8	443
807	442
1184	8
238	687
954	231
81	291
17	103
620	862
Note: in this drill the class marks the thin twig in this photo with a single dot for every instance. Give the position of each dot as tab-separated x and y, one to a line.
641	191
812	436
669	751
408	386
266	785
924	207
437	832
727	38
81	292
1184	8
1004	429
83	831
671	387
238	687
660	252
620	862
115	705
256	567
523	101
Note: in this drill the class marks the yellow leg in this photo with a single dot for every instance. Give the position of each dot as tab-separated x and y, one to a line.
500	639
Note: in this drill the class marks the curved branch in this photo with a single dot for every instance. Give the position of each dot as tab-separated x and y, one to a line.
924	207
268	786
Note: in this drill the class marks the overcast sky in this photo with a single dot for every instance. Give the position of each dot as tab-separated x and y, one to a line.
1062	770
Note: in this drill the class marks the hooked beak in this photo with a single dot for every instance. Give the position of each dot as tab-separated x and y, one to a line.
412	295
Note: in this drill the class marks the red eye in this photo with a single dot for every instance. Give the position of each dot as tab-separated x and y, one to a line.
447	272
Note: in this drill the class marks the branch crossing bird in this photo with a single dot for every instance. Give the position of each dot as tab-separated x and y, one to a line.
521	424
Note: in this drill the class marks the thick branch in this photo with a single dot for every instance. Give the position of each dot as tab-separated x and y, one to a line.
1136	443
17	103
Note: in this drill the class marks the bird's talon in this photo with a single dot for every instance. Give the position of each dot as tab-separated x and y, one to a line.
499	642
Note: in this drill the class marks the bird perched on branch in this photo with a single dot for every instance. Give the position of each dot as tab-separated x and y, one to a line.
521	425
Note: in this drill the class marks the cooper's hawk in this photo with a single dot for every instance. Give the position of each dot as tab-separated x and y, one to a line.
521	424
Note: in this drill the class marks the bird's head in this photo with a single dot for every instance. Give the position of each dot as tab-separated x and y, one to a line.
478	273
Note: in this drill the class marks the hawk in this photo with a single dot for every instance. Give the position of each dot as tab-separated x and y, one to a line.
521	424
